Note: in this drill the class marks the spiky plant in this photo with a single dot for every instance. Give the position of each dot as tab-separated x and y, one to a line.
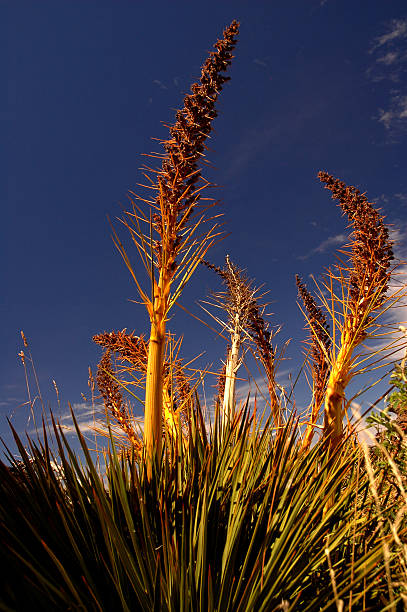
319	348
244	322
363	285
231	527
132	352
262	336
114	402
168	236
235	301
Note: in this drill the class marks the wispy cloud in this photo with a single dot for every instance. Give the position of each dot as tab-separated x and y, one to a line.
395	116
326	245
86	415
389	51
396	30
260	62
259	135
159	84
330	242
388	59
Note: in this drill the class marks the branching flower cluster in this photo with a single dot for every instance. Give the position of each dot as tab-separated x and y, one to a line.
371	248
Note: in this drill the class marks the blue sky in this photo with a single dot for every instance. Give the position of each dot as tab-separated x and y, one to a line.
315	85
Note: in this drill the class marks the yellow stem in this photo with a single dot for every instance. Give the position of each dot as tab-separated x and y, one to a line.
309	432
271	384
334	398
333	428
232	365
154	395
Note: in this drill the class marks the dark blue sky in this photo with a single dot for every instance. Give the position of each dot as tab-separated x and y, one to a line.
314	85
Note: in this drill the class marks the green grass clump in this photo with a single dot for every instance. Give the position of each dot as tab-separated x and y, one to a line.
235	522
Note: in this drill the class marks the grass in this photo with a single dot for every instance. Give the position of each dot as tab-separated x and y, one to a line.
250	511
236	522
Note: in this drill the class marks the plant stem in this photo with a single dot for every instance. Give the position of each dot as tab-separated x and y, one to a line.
232	366
155	374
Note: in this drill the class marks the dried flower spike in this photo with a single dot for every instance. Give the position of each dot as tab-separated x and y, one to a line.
320	343
113	399
364	284
172	244
245	322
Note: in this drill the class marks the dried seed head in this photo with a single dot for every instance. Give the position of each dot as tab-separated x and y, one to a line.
180	171
113	399
239	301
320	340
371	247
258	329
132	348
238	298
108	387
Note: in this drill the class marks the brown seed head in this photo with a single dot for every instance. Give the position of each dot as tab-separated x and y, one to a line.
132	348
238	298
371	247
113	399
180	172
320	339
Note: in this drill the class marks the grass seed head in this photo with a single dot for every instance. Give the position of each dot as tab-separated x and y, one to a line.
371	247
320	343
113	398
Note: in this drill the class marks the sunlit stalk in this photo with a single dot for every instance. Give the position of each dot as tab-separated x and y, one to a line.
232	365
363	284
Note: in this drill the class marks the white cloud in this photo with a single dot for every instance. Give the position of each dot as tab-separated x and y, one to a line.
388	59
397	29
159	84
395	114
260	62
329	242
88	417
326	244
390	52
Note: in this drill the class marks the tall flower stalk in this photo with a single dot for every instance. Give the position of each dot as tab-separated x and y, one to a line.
169	238
235	301
245	322
114	402
132	353
320	344
262	338
363	285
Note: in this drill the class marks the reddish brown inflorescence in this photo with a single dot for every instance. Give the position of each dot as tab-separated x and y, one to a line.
371	247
